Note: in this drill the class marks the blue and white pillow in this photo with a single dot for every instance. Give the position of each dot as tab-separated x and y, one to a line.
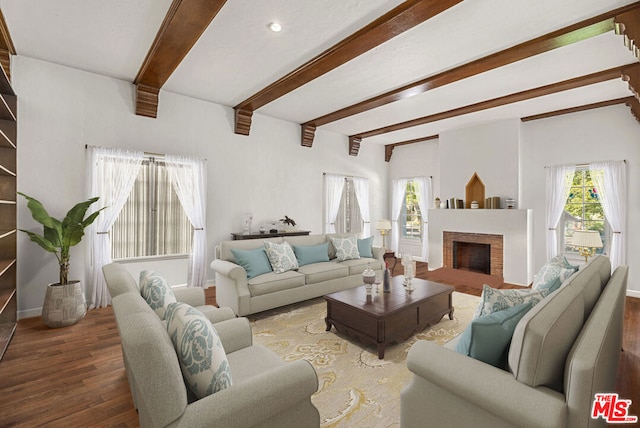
346	248
494	300
155	290
202	358
552	275
281	256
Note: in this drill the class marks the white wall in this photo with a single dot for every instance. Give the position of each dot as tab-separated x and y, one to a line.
491	150
269	173
609	133
414	160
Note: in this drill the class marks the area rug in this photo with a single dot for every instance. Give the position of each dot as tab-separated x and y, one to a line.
356	389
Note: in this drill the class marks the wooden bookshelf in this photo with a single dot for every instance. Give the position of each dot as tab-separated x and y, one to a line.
8	217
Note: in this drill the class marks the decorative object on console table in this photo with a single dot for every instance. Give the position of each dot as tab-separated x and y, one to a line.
248	218
586	241
64	302
383	226
289	222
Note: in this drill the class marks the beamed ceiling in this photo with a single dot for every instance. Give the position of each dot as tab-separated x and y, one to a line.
384	72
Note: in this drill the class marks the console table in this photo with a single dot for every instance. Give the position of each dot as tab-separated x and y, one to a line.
239	236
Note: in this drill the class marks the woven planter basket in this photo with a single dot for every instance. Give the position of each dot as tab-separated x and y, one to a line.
64	305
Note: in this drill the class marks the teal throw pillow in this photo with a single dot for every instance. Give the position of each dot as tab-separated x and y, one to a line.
308	254
365	247
202	358
494	299
488	338
346	248
155	290
255	262
281	256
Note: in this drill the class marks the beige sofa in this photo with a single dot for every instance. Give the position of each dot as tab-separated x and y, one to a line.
266	391
563	351
271	290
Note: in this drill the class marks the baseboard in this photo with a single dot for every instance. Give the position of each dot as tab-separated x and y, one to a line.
633	293
29	313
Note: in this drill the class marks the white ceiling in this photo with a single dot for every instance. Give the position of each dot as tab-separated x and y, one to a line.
238	55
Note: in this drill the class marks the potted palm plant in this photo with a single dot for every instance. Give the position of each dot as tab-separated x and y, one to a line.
64	302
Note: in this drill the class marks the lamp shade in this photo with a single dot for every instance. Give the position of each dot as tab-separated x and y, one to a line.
383	225
586	238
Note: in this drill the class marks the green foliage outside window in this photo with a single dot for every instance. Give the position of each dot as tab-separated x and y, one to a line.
412	227
583	209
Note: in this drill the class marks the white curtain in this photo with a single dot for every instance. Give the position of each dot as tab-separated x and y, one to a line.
189	179
111	174
333	186
559	179
610	179
425	202
397	201
361	186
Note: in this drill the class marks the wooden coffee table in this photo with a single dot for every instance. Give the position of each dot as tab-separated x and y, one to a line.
383	318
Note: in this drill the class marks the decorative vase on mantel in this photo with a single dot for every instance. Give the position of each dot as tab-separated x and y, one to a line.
64	304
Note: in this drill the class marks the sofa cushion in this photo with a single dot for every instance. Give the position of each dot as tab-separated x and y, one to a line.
325	271
544	336
223	251
306	239
281	256
202	358
272	282
487	338
156	292
307	254
346	248
358	266
591	281
255	261
493	299
365	247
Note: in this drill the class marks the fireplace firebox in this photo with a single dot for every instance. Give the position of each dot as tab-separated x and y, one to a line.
472	256
479	252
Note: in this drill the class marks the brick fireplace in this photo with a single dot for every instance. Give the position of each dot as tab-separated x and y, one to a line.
473	251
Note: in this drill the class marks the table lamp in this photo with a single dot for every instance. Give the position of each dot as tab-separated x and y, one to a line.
383	226
586	241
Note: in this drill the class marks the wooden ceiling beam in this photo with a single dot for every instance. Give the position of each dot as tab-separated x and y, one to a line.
627	24
572	34
624	100
6	47
388	148
183	25
400	19
634	105
590	79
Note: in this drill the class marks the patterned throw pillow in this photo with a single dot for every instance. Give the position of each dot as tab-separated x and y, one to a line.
156	292
200	352
552	275
494	300
281	256
346	248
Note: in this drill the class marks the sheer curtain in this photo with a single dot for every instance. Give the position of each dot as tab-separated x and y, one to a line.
111	174
189	179
333	186
610	178
559	179
397	199
361	186
425	201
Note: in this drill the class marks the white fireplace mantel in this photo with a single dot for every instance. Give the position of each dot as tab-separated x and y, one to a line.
516	227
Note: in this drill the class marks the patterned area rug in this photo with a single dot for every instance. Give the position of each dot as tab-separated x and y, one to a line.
356	389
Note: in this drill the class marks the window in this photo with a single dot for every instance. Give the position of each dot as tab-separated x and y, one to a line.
349	219
583	211
410	216
152	221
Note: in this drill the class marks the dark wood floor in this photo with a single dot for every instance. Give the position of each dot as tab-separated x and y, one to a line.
74	376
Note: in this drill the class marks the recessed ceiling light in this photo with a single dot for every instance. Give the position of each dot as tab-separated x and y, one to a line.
275	27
